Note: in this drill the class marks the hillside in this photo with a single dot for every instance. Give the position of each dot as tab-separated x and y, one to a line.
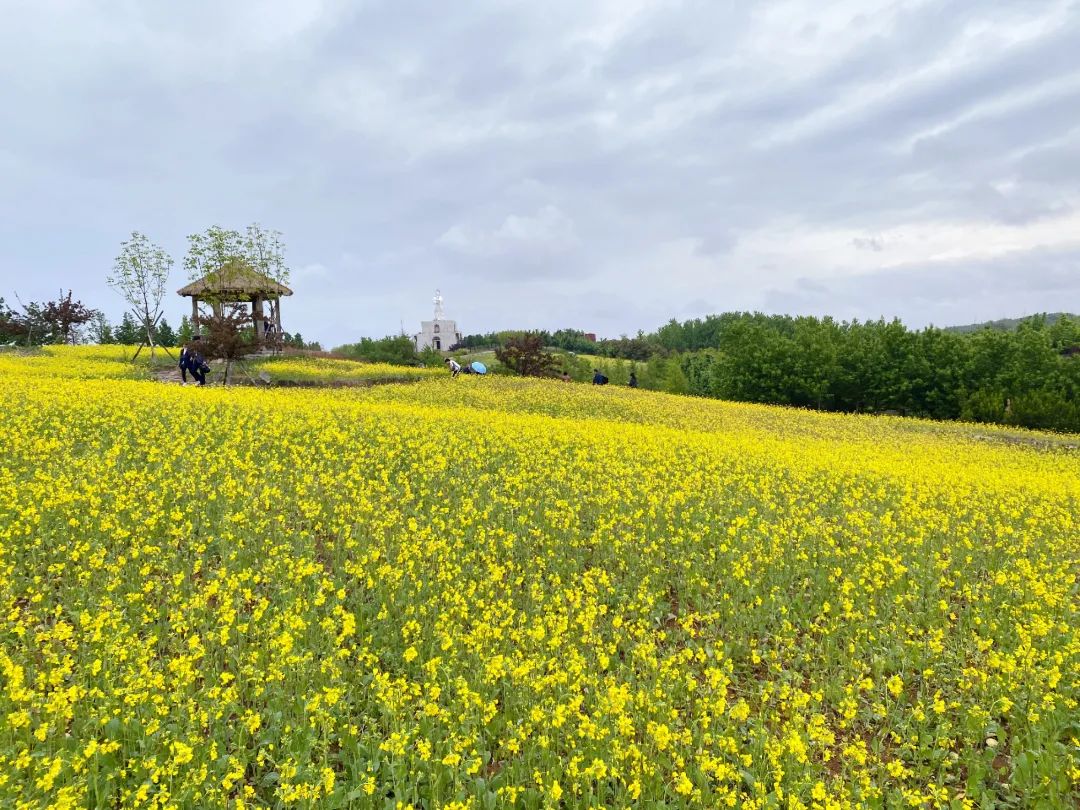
1010	324
489	592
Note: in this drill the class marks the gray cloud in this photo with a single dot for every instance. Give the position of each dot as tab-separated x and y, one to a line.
944	293
613	163
874	243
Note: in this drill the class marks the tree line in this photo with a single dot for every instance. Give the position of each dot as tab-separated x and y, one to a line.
59	321
63	321
140	275
67	320
1027	376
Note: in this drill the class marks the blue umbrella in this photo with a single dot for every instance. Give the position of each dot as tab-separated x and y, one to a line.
479	368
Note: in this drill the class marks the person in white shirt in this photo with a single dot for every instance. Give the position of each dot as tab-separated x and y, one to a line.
454	366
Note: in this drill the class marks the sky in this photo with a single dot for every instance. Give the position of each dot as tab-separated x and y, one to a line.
605	165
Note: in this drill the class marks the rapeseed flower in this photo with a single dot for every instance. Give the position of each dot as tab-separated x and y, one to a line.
497	592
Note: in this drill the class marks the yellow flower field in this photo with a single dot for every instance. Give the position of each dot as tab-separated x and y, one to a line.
489	593
308	369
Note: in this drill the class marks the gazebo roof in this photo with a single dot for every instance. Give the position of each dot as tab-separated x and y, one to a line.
236	280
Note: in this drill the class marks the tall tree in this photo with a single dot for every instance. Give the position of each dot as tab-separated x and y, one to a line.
101	332
185	332
211	250
525	355
265	251
261	249
165	334
127	333
140	276
8	322
26	327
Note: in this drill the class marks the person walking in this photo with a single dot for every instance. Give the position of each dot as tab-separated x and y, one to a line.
184	362
191	359
633	380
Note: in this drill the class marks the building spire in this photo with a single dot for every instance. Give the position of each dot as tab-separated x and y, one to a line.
438	305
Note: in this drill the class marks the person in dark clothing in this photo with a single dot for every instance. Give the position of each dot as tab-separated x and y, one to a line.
191	359
633	380
198	371
184	363
598	378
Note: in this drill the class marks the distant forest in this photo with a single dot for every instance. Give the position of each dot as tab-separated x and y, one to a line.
1024	372
1011	324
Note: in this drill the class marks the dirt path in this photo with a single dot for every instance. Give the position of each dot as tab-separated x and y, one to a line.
168	375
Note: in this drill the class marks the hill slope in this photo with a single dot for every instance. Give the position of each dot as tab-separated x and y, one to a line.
491	592
1009	324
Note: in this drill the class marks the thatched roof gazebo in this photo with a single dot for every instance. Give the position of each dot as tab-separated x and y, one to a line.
237	282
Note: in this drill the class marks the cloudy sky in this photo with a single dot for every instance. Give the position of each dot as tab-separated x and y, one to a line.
600	164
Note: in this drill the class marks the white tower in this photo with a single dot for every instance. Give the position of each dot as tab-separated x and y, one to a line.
439	334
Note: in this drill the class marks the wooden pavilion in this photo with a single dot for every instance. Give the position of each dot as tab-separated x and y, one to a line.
237	282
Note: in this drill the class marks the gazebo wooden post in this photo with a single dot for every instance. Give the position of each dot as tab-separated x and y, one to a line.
277	314
257	317
195	315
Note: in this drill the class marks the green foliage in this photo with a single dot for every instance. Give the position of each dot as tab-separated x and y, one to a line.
1044	410
296	341
1009	324
874	366
397	350
25	328
570	340
639	348
164	334
488	341
7	322
579	368
430	356
881	366
185	332
211	250
262	250
265	251
127	332
984	406
100	331
140	275
664	374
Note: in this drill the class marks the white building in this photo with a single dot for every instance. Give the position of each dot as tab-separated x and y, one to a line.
439	334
